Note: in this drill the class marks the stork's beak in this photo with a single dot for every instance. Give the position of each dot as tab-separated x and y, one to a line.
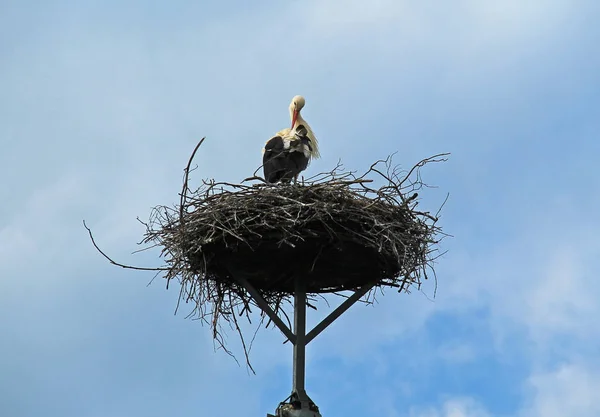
294	117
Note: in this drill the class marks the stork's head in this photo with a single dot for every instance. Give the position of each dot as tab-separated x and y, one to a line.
295	106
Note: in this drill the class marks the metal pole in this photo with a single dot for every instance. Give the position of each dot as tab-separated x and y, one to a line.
300	333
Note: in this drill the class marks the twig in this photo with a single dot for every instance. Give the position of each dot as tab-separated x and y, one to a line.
182	202
117	263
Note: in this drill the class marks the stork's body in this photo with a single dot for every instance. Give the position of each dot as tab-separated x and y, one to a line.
289	152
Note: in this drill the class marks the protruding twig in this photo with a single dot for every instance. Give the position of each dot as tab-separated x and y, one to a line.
118	263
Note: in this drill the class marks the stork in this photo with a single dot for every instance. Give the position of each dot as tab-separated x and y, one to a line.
288	153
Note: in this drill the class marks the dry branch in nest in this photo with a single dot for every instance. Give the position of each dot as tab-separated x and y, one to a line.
336	230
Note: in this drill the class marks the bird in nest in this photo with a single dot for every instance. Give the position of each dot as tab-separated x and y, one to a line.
290	150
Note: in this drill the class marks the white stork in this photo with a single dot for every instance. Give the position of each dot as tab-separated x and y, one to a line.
288	153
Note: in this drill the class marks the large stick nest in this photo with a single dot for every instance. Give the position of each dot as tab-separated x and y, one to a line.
335	231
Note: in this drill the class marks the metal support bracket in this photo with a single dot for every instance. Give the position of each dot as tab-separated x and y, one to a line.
341	309
264	306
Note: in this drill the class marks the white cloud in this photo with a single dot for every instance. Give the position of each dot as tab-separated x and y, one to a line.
569	390
354	18
455	407
565	301
506	19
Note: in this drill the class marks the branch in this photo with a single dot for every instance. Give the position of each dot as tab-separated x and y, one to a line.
185	181
117	263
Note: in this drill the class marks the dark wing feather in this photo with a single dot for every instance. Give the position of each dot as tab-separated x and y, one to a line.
274	160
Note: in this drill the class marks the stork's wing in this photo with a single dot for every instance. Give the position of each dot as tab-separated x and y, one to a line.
275	160
274	145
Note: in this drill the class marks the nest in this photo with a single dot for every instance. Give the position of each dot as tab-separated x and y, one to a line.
336	230
336	233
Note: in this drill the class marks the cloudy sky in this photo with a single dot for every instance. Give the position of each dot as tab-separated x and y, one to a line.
102	103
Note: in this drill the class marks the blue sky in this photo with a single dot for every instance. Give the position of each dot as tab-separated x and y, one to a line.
102	103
